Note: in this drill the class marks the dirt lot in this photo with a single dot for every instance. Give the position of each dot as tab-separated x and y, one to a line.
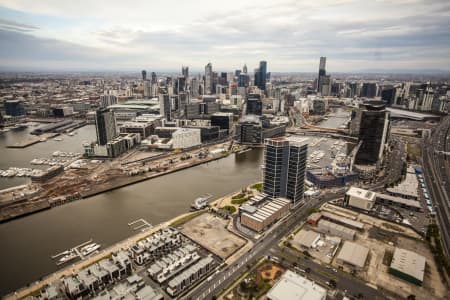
210	232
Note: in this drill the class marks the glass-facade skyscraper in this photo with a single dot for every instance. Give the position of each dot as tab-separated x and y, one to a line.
105	125
284	168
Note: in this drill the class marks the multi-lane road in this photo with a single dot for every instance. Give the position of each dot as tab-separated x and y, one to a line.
267	246
437	177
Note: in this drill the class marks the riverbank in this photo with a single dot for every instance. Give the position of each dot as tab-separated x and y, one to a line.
35	287
26	209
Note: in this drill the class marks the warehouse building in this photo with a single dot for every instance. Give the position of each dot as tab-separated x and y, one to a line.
398	201
258	218
331	228
408	266
295	287
353	255
342	220
360	198
314	218
306	239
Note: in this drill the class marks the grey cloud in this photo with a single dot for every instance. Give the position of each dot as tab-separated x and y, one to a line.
16	26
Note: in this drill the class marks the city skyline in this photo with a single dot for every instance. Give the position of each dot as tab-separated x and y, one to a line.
383	35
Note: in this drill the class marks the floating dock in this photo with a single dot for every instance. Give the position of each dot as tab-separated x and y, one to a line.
70	254
143	225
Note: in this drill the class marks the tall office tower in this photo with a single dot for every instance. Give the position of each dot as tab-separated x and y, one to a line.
373	133
325	85
185	71
105	125
284	168
14	108
322	73
208	79
144	75
164	106
107	100
389	95
254	105
154	78
244	69
261	75
243	80
180	85
369	90
147	88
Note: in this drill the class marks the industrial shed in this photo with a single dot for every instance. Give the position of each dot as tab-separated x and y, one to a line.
353	254
408	266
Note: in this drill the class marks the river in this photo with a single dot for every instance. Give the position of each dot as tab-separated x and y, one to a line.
27	243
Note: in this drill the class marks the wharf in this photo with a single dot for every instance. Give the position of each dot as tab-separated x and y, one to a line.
113	184
33	140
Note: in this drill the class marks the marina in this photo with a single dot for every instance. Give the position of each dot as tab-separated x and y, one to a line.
80	251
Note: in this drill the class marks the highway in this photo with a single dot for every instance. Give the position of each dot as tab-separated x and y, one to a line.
267	245
436	171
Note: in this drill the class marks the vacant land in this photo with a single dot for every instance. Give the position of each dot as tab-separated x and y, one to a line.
210	232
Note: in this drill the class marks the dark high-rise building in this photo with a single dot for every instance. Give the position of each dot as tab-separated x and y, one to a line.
14	108
105	125
144	75
261	75
388	95
254	105
185	71
284	168
373	133
154	78
165	109
369	90
243	80
322	73
223	120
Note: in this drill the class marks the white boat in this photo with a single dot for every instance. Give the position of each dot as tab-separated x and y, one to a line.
57	139
201	202
90	249
66	258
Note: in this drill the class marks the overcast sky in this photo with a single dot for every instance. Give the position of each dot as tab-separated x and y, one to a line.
165	34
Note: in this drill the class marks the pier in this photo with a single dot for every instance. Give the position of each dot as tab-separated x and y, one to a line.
142	224
71	253
33	140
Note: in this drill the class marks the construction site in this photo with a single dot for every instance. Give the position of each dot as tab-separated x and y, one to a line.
87	178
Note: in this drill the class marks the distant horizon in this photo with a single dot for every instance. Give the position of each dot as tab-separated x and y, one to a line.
200	71
384	35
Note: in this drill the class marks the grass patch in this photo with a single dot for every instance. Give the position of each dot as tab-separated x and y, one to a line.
238	196
239	201
230	208
184	219
257	186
